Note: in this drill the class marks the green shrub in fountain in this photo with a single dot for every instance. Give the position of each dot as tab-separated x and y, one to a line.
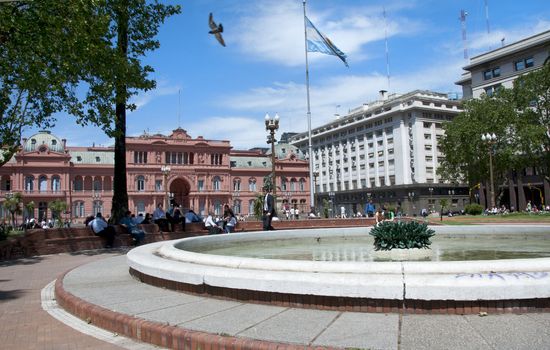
401	235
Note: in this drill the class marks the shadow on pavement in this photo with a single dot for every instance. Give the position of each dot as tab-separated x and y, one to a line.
6	295
22	261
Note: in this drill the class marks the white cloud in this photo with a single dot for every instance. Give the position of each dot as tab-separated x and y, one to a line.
480	42
162	89
242	132
289	99
274	30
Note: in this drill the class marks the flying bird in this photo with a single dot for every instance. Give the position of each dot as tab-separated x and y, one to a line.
217	30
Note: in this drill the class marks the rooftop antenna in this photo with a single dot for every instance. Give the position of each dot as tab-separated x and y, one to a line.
502	41
462	18
387	53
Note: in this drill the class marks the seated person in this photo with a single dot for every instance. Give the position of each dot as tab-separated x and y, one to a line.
137	234
175	217
211	226
147	220
101	228
230	225
378	217
191	216
159	218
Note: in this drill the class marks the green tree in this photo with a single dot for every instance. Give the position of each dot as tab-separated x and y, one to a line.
45	45
532	101
12	203
466	155
116	73
58	207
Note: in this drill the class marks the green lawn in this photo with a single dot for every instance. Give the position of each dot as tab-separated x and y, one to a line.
514	218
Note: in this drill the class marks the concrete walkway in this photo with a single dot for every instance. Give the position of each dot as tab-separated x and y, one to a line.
106	283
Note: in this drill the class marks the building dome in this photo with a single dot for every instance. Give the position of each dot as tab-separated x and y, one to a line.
44	140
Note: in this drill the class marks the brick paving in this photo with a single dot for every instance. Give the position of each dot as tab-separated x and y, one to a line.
24	324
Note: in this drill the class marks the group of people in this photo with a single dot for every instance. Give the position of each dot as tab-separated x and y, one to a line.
227	224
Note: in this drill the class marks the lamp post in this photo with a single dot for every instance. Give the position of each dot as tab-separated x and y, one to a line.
272	124
411	196
314	204
331	196
165	172
490	139
431	190
451	194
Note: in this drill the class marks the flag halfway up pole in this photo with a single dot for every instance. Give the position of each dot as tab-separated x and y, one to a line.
317	42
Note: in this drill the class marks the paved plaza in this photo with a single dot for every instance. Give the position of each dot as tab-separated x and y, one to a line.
102	279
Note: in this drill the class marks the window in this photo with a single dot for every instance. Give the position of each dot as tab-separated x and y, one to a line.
523	64
140	157
97	159
217	207
491	73
140	208
78	184
56	184
302	185
97	207
293	185
216	184
158	185
237	206
140	183
252	185
97	185
78	210
200	185
251	206
490	90
236	185
42	183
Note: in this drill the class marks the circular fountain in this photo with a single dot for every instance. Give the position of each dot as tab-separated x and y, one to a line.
471	269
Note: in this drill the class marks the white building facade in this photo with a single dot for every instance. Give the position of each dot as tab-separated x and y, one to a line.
386	151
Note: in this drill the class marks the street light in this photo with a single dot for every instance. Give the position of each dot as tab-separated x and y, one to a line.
451	194
315	176
490	139
272	124
431	190
331	196
165	172
411	196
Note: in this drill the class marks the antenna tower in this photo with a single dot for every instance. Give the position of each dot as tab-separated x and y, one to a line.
179	108
387	52
463	15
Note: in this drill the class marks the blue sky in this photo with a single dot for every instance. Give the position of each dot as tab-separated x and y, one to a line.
226	91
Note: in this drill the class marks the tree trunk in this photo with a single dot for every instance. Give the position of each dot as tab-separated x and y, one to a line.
120	190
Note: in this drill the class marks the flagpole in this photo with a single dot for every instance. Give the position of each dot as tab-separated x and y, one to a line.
311	184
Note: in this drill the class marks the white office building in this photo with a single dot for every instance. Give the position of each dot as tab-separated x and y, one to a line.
386	151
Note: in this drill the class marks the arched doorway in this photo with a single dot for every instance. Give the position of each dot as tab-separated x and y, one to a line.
179	190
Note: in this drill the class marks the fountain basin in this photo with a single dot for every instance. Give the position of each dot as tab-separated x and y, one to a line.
524	283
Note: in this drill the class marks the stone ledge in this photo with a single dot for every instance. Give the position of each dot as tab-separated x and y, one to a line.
161	334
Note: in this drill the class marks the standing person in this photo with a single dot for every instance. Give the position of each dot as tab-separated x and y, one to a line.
370	208
343	212
269	209
297	213
137	234
101	228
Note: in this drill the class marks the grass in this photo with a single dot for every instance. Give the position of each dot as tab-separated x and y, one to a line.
513	218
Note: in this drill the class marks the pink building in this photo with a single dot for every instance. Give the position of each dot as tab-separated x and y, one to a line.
198	174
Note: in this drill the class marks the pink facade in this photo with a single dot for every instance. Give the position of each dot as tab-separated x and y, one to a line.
203	175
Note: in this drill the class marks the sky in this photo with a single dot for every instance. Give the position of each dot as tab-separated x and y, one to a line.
224	93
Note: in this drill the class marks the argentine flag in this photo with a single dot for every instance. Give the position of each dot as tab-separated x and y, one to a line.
317	42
